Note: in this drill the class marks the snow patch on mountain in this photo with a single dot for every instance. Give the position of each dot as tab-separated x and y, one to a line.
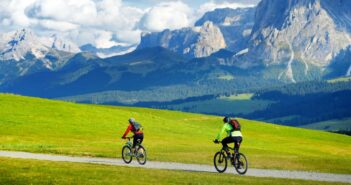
349	71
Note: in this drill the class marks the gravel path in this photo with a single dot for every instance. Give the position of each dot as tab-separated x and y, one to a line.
183	167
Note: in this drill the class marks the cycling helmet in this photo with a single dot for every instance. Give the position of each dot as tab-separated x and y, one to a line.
131	120
226	119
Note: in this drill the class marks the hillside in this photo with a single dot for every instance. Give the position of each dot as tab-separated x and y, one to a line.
303	104
46	126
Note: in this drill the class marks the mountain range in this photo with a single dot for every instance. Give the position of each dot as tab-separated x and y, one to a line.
227	50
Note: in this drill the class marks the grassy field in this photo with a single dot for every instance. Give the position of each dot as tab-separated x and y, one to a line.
245	96
331	125
234	104
46	126
19	171
342	79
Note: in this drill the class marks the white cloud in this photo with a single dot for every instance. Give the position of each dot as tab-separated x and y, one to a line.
75	17
57	25
104	40
167	15
132	36
101	22
81	12
14	12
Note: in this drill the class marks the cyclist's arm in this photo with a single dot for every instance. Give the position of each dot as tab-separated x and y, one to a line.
220	134
129	128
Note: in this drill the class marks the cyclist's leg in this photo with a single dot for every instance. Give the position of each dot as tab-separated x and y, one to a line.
141	139
225	143
137	139
237	142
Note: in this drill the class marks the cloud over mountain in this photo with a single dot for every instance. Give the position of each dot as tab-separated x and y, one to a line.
101	22
168	15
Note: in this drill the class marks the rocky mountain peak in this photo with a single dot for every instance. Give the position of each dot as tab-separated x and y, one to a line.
192	42
210	40
235	25
21	43
297	33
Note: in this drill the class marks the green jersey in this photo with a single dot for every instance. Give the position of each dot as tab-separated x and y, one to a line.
227	128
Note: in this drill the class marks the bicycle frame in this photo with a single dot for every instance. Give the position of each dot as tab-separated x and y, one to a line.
129	143
235	160
134	152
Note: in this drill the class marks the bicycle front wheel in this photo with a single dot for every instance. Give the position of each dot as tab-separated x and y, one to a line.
141	155
241	164
127	154
220	162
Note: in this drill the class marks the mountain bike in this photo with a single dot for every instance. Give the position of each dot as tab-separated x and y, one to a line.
139	152
238	160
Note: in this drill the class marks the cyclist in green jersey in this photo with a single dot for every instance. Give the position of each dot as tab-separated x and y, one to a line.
233	135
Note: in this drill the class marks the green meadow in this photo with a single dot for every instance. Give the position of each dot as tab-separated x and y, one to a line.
233	104
47	126
19	171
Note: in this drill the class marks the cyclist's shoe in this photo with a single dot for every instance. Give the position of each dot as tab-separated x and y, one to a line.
229	156
140	154
239	165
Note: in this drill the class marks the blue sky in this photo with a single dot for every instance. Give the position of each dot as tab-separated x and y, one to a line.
105	23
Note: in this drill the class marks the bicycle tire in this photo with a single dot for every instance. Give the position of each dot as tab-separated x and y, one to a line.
127	154
141	155
241	165
218	159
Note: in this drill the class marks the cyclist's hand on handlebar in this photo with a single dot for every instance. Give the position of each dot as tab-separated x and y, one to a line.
123	137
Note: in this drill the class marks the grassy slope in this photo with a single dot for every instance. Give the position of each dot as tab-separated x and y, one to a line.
234	104
19	171
46	126
246	96
223	106
342	79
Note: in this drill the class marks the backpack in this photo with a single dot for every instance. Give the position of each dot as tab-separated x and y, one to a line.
136	127
235	124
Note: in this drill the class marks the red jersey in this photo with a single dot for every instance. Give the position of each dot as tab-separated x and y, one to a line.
131	128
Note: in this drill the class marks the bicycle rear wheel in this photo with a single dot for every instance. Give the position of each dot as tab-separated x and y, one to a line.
127	155
241	164
220	162
141	155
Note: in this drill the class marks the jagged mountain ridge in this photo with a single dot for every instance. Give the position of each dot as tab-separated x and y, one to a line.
22	52
304	33
16	45
274	52
223	28
192	42
235	25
